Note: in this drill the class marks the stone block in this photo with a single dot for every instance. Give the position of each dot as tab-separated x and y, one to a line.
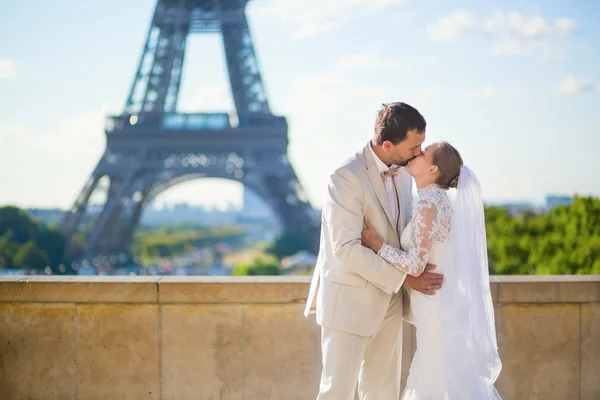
232	290
118	351
527	292
283	353
539	348
578	292
37	351
202	351
114	289
590	351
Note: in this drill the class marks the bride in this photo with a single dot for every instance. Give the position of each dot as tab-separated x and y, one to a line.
460	360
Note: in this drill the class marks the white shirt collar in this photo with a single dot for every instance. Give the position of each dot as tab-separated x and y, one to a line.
380	164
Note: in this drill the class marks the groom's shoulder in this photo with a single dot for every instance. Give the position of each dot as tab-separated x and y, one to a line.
347	173
353	164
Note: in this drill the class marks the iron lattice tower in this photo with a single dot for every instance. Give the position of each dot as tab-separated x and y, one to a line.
151	147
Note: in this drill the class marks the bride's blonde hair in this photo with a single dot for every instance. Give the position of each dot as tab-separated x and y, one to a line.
448	161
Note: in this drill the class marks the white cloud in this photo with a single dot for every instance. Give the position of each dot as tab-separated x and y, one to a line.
573	85
75	134
565	26
486	92
8	68
56	162
511	33
10	133
427	95
313	17
457	26
367	60
327	92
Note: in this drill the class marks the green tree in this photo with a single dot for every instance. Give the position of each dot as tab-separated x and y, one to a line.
29	256
54	244
19	222
565	240
259	266
292	241
8	248
151	244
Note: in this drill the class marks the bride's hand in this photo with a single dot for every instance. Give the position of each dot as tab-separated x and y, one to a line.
369	237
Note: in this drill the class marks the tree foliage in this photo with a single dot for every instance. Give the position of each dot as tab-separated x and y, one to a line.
8	249
260	266
22	226
292	241
26	243
153	244
53	244
564	240
30	256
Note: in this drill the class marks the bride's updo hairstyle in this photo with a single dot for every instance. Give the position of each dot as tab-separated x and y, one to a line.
448	161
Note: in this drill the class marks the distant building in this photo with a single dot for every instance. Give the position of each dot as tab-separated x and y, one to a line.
554	201
517	208
520	208
182	207
48	216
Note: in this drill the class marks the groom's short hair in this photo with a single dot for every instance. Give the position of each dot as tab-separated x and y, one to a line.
394	121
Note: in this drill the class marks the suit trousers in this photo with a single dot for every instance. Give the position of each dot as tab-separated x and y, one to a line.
373	365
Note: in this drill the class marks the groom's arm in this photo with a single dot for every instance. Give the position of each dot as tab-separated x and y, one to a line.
343	213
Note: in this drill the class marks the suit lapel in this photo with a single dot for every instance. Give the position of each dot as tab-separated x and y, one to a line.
397	185
404	192
374	177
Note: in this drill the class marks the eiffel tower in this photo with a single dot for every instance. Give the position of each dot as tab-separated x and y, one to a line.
150	147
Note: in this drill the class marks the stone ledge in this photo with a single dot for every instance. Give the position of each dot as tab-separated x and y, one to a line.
233	292
544	278
263	289
548	289
75	289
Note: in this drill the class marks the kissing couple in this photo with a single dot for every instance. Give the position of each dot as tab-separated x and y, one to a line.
383	260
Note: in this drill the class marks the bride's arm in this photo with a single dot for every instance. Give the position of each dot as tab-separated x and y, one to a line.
414	260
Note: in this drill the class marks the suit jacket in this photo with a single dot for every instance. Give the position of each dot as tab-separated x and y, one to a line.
352	286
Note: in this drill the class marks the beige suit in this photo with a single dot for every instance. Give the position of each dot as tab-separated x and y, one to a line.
352	290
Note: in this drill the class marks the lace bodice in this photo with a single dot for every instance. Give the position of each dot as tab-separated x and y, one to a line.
430	222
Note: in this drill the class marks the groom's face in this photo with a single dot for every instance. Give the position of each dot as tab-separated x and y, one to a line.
409	148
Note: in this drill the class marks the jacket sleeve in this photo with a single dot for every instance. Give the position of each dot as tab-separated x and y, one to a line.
343	213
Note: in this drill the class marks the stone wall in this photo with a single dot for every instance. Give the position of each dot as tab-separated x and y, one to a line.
183	338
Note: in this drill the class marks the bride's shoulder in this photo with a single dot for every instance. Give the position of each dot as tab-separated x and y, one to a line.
433	196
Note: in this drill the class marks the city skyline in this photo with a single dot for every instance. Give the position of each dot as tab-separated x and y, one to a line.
517	92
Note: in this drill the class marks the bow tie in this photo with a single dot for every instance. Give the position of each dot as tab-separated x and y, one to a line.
390	172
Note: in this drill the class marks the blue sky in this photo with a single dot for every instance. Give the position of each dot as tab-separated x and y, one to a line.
515	85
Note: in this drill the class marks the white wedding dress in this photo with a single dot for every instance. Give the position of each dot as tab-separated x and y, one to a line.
446	365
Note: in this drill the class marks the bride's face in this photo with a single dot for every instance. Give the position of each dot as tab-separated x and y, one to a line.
422	165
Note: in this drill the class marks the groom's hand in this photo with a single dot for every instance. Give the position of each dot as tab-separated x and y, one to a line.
427	283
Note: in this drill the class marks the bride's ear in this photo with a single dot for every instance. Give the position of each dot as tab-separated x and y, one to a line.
433	169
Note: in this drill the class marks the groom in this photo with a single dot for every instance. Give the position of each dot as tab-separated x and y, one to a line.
356	295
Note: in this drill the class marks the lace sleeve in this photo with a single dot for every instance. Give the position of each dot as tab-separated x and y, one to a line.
424	226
